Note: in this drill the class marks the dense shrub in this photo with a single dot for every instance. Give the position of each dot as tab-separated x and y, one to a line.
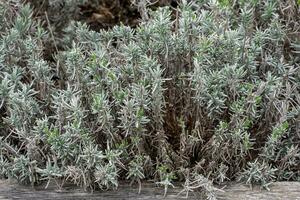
205	93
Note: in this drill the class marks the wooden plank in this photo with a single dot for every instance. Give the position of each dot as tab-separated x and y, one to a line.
279	191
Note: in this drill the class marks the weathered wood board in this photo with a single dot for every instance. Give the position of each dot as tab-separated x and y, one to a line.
279	191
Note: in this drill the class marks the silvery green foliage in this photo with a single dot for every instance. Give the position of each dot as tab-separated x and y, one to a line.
188	96
258	173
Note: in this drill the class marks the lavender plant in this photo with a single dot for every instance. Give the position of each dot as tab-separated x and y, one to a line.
187	95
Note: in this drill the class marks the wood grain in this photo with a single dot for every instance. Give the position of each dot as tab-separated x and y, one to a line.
279	191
